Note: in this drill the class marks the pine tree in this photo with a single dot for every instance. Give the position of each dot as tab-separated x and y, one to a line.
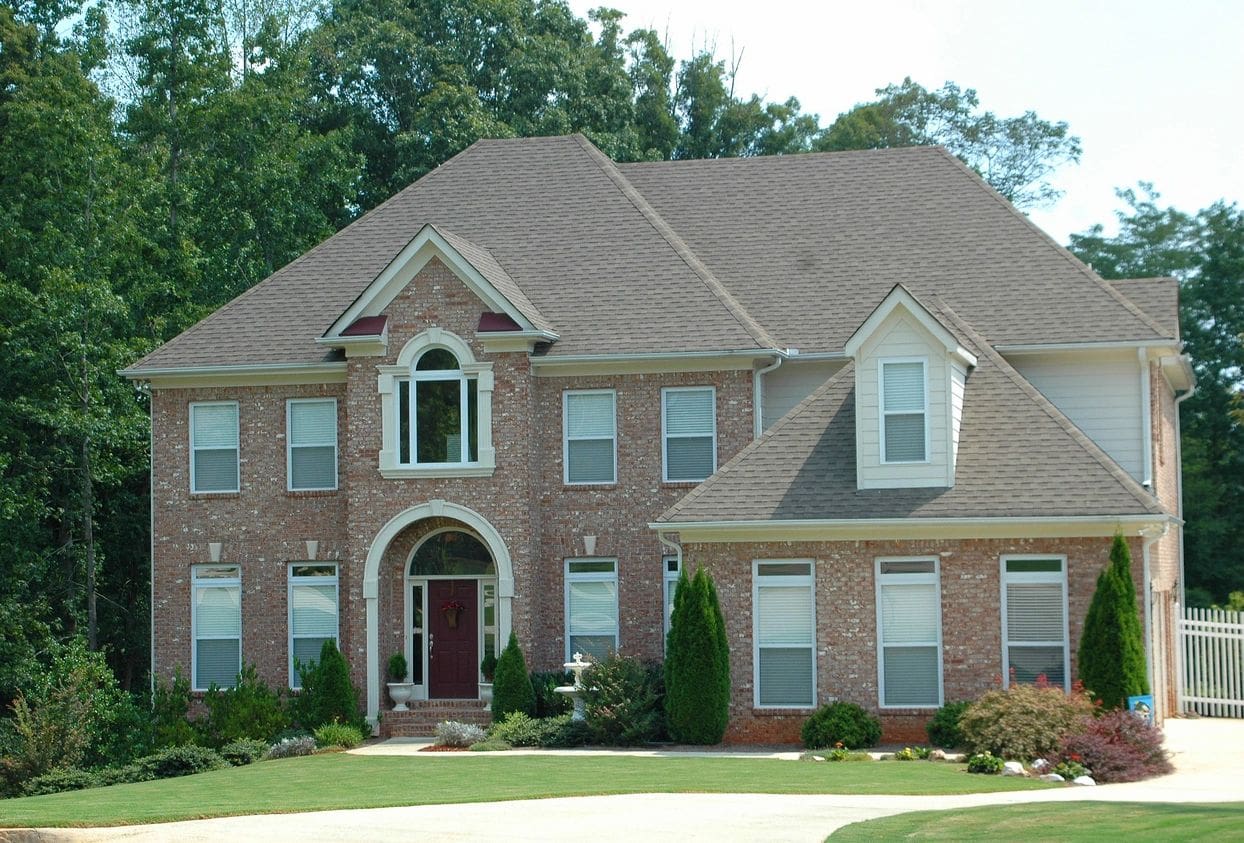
1112	650
511	684
697	671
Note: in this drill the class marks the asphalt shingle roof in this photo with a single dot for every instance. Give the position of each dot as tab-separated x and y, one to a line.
1158	297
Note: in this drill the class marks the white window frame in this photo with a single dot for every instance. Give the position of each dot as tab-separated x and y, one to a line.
666	436
669	586
782	580
590	576
293	583
211	582
237	446
933	578
290	446
613	394
415	377
1035	577
882	412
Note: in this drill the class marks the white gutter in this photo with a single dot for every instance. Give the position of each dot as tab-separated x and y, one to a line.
575	359
1020	348
247	369
758	393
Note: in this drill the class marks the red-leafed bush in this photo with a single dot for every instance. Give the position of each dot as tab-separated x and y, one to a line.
1117	747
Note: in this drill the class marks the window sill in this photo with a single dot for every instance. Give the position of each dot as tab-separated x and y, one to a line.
588	487
782	711
310	493
680	484
394	473
214	496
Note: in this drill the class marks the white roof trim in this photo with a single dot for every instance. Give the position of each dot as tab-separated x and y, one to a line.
244	369
899	297
1084	346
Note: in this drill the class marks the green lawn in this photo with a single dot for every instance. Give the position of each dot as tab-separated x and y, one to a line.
325	782
1062	821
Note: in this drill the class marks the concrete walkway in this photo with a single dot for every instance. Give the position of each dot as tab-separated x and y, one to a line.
1206	753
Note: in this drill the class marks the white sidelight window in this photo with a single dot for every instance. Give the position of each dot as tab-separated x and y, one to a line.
214	462
591	607
689	433
216	621
904	411
590	442
669	581
312	614
784	634
909	633
1034	620
311	443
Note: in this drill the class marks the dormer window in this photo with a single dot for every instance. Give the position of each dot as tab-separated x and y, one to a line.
904	411
438	409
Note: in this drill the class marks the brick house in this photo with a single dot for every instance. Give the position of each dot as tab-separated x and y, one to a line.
896	421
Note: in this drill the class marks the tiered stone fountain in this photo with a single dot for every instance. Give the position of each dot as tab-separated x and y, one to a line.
575	691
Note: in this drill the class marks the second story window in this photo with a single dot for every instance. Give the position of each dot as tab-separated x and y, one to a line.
311	449
689	425
437	409
590	447
214	447
904	411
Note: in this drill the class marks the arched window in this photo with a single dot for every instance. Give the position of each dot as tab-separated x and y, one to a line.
438	412
452	553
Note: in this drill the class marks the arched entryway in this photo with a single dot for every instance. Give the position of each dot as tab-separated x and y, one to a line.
469	554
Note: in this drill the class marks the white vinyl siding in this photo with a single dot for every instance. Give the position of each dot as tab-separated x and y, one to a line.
909	633
669	583
589	444
1034	620
904	411
313	615
591	607
311	437
790	383
214	461
216	621
784	634
689	433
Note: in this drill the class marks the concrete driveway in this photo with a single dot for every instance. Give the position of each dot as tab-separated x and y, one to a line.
1206	753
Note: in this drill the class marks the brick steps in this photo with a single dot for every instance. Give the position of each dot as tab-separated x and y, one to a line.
421	720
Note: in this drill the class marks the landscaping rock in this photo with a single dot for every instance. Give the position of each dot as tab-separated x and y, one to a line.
1086	781
1012	768
1052	777
1040	765
937	755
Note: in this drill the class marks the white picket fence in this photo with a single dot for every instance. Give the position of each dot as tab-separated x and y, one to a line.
1211	653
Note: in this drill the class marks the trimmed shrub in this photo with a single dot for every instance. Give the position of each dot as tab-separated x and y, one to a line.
568	733
697	663
397	668
838	753
841	723
623	702
453	733
243	751
338	734
511	686
175	761
1024	721
291	748
943	730
1112	650
327	694
250	709
913	753
548	702
985	763
519	729
489	745
1117	747
59	781
170	713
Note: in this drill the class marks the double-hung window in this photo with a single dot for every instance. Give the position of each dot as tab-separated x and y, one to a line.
689	428
216	603
311	449
909	633
591	607
1034	619
437	412
904	411
214	446
312	614
590	442
669	582
784	632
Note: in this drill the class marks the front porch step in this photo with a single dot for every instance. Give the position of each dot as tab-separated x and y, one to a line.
421	720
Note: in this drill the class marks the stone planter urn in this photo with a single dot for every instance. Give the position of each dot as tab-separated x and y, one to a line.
400	693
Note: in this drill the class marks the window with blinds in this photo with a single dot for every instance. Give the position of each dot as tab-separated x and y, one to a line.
589	447
312	615
214	447
216	618
909	633
1034	620
904	411
689	428
591	607
784	635
311	443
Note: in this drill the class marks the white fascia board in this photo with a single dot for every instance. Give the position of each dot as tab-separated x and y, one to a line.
513	340
241	375
1040	347
636	363
899	297
911	528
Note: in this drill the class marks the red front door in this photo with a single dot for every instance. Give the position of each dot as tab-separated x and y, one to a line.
453	639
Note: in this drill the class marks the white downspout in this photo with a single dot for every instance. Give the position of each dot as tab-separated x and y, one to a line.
1179	485
758	392
673	546
1146	421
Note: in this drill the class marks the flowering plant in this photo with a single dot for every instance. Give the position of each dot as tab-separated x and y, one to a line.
452	606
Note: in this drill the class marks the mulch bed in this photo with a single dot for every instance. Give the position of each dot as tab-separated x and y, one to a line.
443	749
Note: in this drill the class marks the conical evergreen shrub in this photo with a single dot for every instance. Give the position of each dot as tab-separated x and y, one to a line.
511	683
1112	648
697	667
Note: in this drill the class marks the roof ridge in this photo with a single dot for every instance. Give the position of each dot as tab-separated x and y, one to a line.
1059	249
754	329
1139	492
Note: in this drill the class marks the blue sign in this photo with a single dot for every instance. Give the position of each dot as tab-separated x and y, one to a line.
1141	706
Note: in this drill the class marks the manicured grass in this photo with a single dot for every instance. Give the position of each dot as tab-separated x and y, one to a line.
1062	821
326	782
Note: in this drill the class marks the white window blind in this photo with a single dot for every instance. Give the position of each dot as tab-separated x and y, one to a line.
214	447
909	629
312	443
590	437
217	605
784	634
591	608
689	421
1034	600
312	615
903	412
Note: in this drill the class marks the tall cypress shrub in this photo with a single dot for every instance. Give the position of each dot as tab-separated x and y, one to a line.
1112	648
511	683
697	678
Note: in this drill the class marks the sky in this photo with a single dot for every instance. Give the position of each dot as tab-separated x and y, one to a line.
1153	88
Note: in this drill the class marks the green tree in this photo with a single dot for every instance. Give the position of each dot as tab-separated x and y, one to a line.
511	684
697	671
1111	657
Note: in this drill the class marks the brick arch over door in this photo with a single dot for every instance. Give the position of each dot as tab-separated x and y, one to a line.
371	578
